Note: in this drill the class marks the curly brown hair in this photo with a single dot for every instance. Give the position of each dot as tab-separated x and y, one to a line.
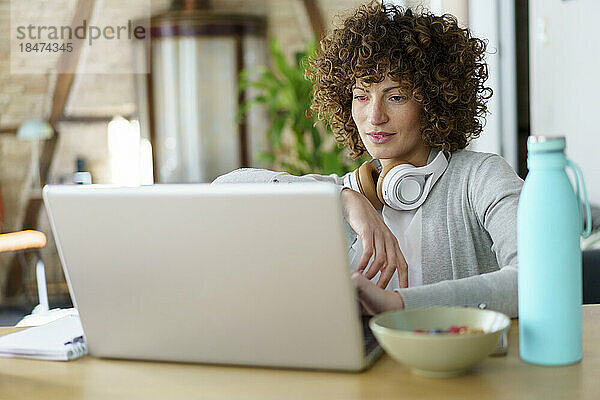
437	63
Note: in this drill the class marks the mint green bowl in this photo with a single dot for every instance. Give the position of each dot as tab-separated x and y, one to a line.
439	355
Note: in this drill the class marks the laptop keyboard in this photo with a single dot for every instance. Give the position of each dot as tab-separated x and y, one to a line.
370	342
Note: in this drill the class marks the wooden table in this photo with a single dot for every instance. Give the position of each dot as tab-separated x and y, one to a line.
495	378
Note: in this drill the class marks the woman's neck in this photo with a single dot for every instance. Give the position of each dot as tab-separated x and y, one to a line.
418	159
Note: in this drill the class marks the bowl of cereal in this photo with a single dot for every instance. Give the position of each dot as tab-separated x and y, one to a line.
439	341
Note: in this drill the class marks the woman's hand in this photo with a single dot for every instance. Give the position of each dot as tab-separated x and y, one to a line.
374	300
377	240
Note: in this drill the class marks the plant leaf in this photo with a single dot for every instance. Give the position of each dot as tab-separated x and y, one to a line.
276	130
266	156
288	96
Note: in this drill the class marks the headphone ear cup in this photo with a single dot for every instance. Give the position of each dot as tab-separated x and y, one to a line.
384	171
366	176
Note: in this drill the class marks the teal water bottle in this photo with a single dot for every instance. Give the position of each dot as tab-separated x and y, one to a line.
549	226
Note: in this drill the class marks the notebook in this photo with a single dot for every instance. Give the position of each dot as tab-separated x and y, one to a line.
244	274
60	340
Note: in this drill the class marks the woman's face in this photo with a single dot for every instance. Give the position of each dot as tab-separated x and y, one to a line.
388	123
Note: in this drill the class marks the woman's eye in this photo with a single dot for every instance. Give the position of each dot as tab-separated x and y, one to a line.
398	98
360	97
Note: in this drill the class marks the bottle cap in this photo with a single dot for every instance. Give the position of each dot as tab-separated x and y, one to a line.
545	144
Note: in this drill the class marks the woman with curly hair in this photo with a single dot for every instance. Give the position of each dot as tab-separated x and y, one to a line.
436	222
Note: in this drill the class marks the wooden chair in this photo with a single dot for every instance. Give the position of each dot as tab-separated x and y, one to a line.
29	240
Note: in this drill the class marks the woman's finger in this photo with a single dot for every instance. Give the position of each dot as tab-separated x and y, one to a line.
402	268
386	275
374	299
387	272
360	282
367	242
389	266
380	256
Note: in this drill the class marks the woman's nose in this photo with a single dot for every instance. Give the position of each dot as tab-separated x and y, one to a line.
377	114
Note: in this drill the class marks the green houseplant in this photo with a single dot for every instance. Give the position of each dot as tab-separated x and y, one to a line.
298	144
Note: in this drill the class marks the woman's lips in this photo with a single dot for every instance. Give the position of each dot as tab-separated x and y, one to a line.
380	137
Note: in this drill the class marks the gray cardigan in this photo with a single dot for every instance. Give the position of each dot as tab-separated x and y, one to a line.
469	231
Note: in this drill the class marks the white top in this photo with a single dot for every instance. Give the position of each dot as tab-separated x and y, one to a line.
406	226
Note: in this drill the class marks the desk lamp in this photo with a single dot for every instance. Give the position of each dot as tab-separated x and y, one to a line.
35	130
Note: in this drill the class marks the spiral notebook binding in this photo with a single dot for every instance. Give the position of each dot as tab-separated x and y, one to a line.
76	348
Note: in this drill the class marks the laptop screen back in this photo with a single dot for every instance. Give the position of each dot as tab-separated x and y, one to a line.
238	274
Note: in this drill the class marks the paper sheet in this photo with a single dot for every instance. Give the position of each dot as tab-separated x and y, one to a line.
61	340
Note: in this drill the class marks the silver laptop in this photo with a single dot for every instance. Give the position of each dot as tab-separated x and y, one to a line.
246	274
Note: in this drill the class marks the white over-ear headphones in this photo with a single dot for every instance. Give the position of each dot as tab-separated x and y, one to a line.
400	186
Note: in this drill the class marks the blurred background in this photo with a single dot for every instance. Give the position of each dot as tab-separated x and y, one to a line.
222	87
